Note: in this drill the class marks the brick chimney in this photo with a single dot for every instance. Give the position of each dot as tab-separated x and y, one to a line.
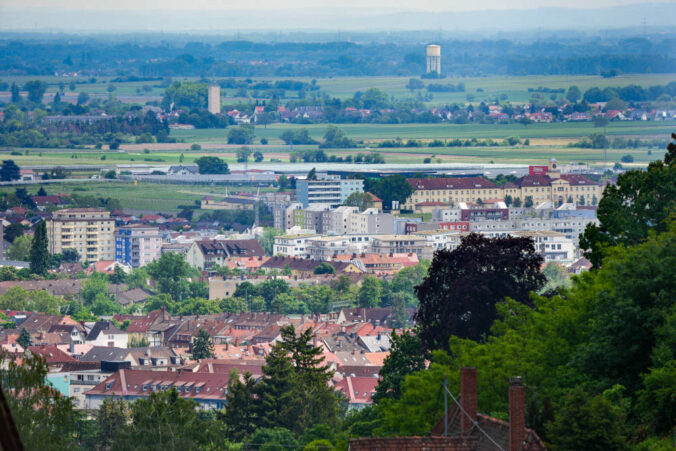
517	413
468	398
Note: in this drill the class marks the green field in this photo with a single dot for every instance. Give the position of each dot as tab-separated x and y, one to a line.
143	196
482	88
379	132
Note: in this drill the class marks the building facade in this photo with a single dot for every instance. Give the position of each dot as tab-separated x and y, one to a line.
531	189
90	231
137	245
330	190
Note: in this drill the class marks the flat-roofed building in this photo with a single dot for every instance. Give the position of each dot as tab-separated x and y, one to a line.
137	245
90	231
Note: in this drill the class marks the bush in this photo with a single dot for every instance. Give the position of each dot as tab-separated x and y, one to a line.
627	159
195	147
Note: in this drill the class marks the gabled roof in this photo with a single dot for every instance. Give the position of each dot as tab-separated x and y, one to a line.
99	353
212	386
104	327
51	354
231	248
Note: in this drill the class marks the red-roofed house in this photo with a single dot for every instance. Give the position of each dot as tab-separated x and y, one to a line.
207	389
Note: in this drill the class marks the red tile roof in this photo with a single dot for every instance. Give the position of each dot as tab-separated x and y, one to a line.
451	183
132	382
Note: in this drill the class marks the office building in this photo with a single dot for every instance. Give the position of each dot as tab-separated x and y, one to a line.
90	231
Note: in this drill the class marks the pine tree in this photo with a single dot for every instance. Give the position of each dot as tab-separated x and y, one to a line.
39	255
276	390
240	406
317	402
25	339
203	346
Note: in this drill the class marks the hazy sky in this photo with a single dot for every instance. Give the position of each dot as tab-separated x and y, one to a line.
387	5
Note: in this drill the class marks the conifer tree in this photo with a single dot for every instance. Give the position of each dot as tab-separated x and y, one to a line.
240	409
203	346
39	255
276	390
25	339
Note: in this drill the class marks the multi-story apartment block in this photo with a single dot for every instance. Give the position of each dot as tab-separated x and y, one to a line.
314	218
291	245
371	222
549	186
283	215
553	246
330	190
90	231
398	244
338	220
137	245
571	227
326	247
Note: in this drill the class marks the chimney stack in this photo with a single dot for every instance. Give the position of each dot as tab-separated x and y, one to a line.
517	413
468	398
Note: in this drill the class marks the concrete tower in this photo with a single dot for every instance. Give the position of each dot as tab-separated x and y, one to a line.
214	99
434	59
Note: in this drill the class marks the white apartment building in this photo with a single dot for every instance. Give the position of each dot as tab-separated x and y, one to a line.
90	231
338	220
441	239
292	245
399	244
325	247
571	227
553	246
371	222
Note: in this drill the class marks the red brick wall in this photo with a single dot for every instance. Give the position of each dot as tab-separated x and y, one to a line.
412	444
517	414
468	397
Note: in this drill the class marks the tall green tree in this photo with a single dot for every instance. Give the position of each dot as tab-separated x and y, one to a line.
165	421
276	391
639	202
171	272
111	417
36	90
202	346
9	171
25	339
240	406
44	418
39	254
212	165
406	357
587	422
369	292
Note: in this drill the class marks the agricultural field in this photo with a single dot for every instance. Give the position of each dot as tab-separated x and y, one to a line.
148	197
480	88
